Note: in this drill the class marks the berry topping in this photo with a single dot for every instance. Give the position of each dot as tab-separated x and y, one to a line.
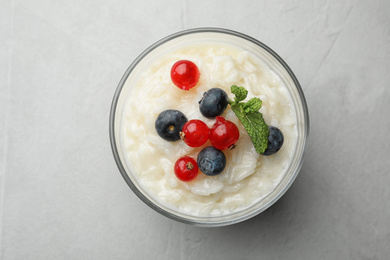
224	134
195	133
169	123
211	161
213	103
275	141
185	74
186	168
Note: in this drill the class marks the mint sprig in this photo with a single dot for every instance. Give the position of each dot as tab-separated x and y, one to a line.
250	117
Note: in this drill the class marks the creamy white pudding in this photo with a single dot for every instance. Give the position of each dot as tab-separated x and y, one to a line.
248	177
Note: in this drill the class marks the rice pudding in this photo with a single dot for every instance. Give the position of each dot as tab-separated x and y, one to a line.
249	180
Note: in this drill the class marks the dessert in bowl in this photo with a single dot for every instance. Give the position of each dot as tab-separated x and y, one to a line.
222	65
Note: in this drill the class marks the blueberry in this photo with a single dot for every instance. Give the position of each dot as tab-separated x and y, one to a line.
211	161
169	124
275	140
213	103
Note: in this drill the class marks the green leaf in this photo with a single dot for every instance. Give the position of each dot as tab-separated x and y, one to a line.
253	105
251	118
260	131
240	92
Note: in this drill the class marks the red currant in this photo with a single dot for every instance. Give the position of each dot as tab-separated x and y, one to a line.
224	134
185	74
186	168
195	133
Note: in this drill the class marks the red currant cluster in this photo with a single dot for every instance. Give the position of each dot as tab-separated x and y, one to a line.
223	134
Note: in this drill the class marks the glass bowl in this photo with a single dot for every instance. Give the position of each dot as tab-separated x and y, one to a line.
209	35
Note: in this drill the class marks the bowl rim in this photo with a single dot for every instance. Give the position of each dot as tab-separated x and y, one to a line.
118	92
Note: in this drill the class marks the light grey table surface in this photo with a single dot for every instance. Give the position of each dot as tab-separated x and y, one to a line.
61	194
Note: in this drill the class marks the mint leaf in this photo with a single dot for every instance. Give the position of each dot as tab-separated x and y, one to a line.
240	92
259	131
250	117
254	104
